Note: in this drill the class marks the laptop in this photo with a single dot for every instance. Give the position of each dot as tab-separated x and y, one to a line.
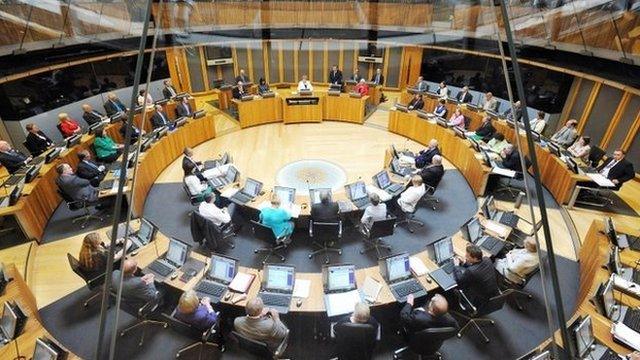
383	181
172	260
222	270
46	349
340	289
584	343
489	210
277	286
395	270
398	169
314	194
443	254
230	177
8	323
472	233
249	191
287	195
357	193
617	312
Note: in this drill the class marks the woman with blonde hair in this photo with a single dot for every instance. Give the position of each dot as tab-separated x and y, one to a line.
67	126
93	254
277	218
196	312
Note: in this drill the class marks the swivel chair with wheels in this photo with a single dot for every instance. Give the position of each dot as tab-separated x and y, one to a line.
93	282
508	186
259	348
204	338
409	219
327	233
204	230
265	234
80	205
513	289
355	341
142	313
595	156
426	343
373	236
474	314
429	197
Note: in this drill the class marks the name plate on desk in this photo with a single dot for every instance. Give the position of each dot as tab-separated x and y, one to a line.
303	101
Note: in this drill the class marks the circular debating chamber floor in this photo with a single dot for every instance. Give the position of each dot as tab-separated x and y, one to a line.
312	173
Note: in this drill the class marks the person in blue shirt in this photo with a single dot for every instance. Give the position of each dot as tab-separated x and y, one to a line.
196	312
278	219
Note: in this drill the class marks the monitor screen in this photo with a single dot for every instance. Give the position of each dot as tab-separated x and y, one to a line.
341	277
177	253
610	231
382	178
222	268
285	194
252	187
617	265
314	194
443	250
583	336
232	174
357	190
485	208
8	321
607	298
398	267
44	351
145	233
279	277
491	206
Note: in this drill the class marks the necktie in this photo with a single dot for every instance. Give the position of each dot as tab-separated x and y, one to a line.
305	85
186	108
607	168
377	79
95	113
117	106
164	121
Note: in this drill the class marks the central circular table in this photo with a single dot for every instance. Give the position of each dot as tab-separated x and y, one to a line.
305	174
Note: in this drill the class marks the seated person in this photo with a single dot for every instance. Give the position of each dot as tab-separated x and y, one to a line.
567	135
113	105
425	156
168	91
90	170
617	169
196	187
581	148
188	159
476	276
362	88
94	255
511	158
441	109
159	118
67	126
443	90
457	119
144	98
134	288
356	75
12	159
326	210
221	217
196	312
263	87
416	103
464	96
421	85
434	315
378	79
90	115
497	143
305	84
518	263
432	174
37	141
485	131
489	103
243	77
410	197
105	148
135	132
375	212
518	108
335	76
261	324
276	218
538	124
361	315
238	91
183	108
73	186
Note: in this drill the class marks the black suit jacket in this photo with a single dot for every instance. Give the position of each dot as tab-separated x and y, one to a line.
512	161
244	79
181	111
92	117
417	320
236	93
13	160
37	145
478	281
381	82
623	171
157	121
425	156
111	108
135	133
325	213
186	161
431	175
335	78
486	131
417	104
466	99
85	170
167	93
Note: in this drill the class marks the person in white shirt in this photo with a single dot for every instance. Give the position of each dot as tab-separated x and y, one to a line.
144	99
304	84
538	123
443	91
581	148
489	103
518	263
195	186
410	197
374	212
209	210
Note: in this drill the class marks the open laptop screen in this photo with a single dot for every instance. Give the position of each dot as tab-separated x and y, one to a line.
341	277
177	253
8	321
279	278
382	178
357	190
608	300
232	174
443	249
222	268
145	233
252	187
285	194
43	351
584	337
398	267
314	194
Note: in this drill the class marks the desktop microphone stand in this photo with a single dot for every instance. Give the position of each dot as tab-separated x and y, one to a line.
18	356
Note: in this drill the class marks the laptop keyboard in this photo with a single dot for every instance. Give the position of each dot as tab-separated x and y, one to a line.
636	276
632	319
240	197
360	203
634	242
509	219
448	266
12	180
488	242
393	188
407	288
275	299
106	185
160	268
37	160
609	355
210	288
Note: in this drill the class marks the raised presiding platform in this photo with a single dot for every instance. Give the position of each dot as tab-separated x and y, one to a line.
305	174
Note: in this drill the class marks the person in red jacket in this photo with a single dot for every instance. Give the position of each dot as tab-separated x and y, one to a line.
362	88
68	126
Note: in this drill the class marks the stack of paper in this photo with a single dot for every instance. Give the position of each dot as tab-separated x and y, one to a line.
341	303
371	289
417	266
241	282
301	288
503	172
626	335
600	180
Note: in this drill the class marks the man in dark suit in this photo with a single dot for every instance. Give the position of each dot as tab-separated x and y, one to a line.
189	163
242	77
135	132
89	169
73	186
113	104
183	108
476	276
159	118
434	315
416	103
511	158
356	76
37	142
335	76
168	91
12	159
486	130
326	210
518	114
238	91
432	174
421	85
464	96
378	78
425	156
617	169
90	115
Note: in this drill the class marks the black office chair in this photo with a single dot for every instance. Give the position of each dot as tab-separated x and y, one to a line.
409	218
595	156
142	312
260	349
429	197
373	236
509	186
265	234
203	337
80	205
513	289
193	199
32	151
327	232
355	341
92	281
518	236
204	230
474	315
426	343
467	122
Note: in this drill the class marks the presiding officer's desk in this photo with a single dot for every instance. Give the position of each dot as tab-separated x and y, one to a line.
375	91
259	111
302	108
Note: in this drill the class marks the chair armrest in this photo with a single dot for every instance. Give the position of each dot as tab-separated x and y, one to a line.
99	278
340	229
465	303
212	330
150	305
283	345
310	228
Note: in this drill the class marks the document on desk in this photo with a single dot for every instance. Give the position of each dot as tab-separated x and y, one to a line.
600	180
229	192
341	303
407	160
626	285
241	282
384	196
301	288
503	172
371	289
417	266
626	335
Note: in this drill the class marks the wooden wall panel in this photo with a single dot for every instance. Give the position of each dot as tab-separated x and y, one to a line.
411	65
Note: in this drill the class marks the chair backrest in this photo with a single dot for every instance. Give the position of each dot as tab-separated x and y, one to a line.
355	341
382	228
262	232
32	151
467	122
325	230
185	328
596	155
428	341
59	127
73	205
257	348
494	304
